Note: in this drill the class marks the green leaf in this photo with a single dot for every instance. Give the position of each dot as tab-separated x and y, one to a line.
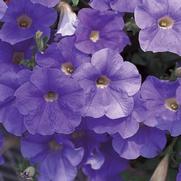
134	175
131	26
172	173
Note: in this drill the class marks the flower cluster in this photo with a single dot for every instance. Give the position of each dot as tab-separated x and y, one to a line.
74	101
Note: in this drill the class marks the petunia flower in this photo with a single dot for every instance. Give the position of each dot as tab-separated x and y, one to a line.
21	24
91	143
160	25
110	170
162	100
97	30
51	102
109	84
13	55
126	126
63	56
144	143
55	155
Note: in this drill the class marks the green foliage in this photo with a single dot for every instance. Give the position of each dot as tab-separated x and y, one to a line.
41	41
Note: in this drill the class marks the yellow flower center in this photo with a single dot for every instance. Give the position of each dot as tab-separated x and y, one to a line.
24	21
67	68
166	22
102	82
94	36
77	134
171	104
51	96
53	145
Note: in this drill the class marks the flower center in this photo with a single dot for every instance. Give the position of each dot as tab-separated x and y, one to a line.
51	96
53	145
24	21
171	104
166	22
18	57
94	36
77	135
67	68
102	82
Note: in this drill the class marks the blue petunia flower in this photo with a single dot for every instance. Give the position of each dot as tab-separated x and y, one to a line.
97	30
109	84
144	143
160	25
63	56
110	170
13	55
162	101
21	23
55	155
51	102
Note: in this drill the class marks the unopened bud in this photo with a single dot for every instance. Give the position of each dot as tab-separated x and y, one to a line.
29	172
160	173
68	19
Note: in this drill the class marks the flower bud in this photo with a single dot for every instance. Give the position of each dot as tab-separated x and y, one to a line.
160	173
68	19
29	172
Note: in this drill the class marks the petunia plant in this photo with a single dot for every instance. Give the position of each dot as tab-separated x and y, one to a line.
90	90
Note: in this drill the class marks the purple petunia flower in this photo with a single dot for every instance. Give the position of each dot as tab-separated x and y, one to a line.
117	5
21	24
12	55
161	30
111	168
97	30
48	3
51	102
126	126
144	143
56	156
63	56
10	117
91	143
3	8
109	85
162	100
